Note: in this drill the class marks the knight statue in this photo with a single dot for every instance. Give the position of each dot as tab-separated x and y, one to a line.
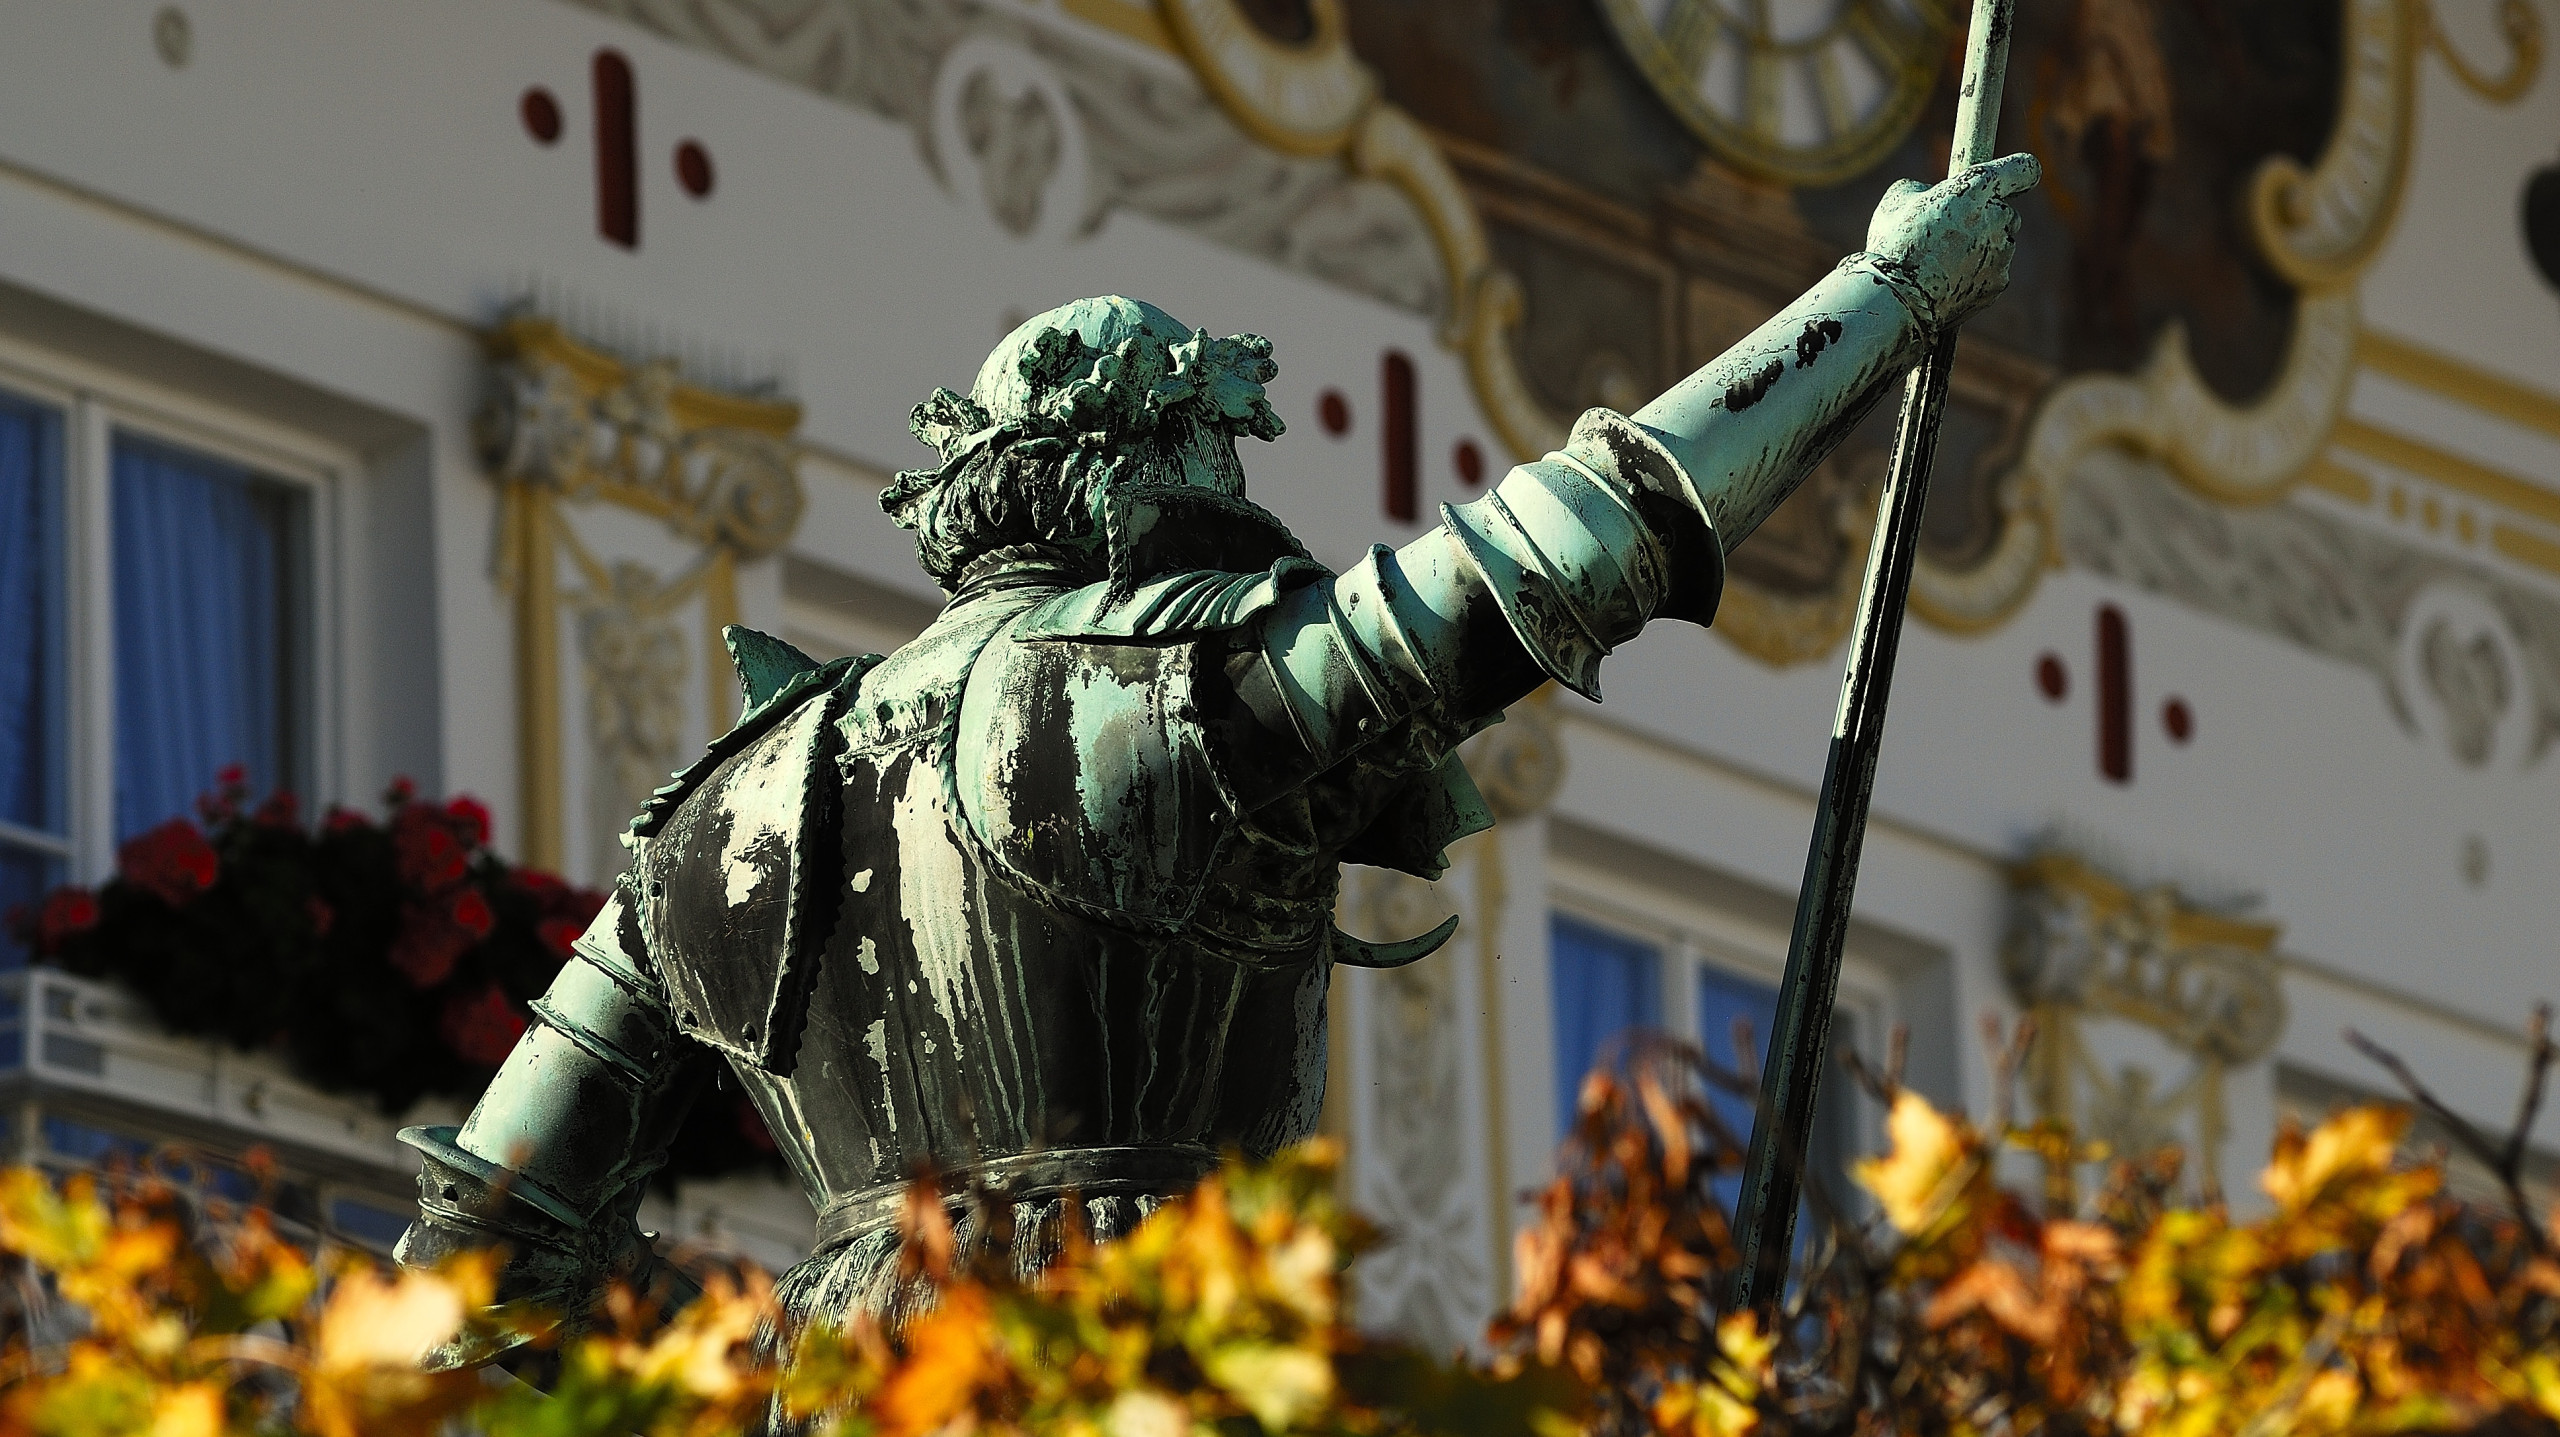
1043	901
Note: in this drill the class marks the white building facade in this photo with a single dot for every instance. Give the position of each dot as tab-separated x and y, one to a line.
505	349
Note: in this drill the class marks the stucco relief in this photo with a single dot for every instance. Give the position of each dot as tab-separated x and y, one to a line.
2087	951
1432	1281
1151	139
2468	661
566	428
631	652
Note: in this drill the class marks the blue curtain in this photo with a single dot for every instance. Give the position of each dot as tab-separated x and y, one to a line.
1605	984
33	766
1722	998
202	651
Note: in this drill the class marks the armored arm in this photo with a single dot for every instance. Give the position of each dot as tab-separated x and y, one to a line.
554	1160
1574	553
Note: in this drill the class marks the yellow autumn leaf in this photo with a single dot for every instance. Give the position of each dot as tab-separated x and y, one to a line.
2542	1380
376	1322
1746	1347
1703	1409
1145	1412
2355	1143
1930	1164
699	1353
52	1229
191	1410
1276	1384
1301	1271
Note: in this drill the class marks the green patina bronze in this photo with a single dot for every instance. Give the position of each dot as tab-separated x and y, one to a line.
1044	899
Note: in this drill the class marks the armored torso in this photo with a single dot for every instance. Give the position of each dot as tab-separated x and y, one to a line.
1004	906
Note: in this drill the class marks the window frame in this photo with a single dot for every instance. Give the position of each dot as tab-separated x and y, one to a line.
96	403
1692	934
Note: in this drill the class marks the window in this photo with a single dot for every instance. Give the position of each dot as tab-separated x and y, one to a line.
1607	986
158	621
1607	982
207	628
35	836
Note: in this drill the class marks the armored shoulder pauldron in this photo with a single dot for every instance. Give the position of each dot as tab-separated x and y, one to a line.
736	875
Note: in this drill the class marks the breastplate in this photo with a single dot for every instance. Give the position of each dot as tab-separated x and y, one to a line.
926	1007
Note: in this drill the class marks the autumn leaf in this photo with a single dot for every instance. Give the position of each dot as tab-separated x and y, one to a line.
367	1375
1932	1162
1276	1384
192	1409
949	1357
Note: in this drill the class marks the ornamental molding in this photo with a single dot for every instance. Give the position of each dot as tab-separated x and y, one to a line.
570	433
2086	949
2320	228
1317	99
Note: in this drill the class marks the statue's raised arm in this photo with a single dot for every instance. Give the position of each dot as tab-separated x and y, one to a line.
1045	898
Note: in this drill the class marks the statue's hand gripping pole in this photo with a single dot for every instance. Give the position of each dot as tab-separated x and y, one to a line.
1773	1178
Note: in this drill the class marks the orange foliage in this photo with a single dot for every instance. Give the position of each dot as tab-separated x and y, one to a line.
2365	1301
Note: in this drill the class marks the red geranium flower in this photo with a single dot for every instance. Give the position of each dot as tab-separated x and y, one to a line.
482	1027
281	810
344	820
230	786
430	858
173	862
472	914
66	911
471	816
541	886
400	792
428	947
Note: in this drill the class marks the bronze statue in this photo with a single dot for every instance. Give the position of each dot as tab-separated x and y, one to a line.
1044	899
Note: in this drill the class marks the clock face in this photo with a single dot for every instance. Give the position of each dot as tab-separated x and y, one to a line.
1802	92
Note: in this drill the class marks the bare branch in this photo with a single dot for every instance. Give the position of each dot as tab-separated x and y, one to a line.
1746	1052
1884	1086
2493	1156
2539	1052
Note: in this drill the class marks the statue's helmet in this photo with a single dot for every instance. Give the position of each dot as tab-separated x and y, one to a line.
1088	399
1102	323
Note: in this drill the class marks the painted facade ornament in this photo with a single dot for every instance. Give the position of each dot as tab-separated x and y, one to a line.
2085	951
1047	899
567	430
2319	227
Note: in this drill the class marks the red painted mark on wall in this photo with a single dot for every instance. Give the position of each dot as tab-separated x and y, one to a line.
1469	462
2052	679
2115	695
541	115
1334	413
1402	436
617	150
693	169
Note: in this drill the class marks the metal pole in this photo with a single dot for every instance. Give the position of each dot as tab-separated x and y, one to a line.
1773	1180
